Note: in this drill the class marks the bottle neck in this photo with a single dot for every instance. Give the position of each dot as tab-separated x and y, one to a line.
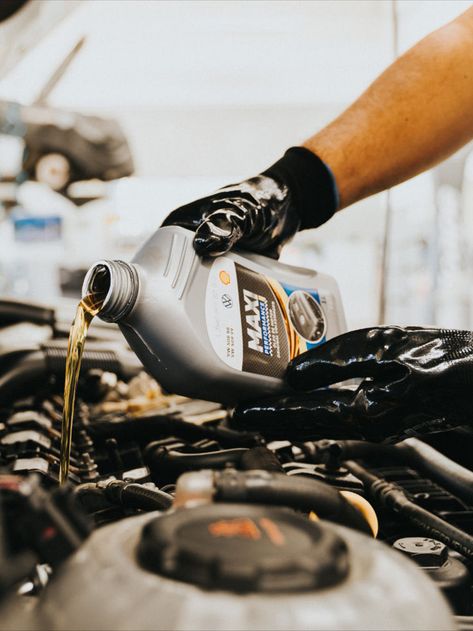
118	282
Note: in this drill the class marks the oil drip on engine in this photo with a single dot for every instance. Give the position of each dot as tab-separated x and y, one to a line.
87	308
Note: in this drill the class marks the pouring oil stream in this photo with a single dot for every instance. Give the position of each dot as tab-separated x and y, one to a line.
87	308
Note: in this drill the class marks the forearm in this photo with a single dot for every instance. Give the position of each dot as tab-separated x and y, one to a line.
419	111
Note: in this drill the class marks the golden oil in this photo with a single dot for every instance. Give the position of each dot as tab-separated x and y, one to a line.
87	308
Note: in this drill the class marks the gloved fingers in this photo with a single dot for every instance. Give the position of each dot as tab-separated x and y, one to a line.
361	353
334	413
323	414
190	215
221	230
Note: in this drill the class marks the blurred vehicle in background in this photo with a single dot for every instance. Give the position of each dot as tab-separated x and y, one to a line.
59	147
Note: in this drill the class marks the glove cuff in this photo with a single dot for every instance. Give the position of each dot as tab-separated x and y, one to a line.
311	183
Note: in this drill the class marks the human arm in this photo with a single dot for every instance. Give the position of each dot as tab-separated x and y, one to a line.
415	114
418	112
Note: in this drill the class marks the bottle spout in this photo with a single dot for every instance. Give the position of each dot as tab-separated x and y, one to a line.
117	284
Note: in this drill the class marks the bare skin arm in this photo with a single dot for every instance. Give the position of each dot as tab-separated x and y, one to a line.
417	113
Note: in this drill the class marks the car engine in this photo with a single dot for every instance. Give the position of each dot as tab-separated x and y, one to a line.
175	519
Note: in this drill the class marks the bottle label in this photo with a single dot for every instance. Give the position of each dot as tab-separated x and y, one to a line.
258	324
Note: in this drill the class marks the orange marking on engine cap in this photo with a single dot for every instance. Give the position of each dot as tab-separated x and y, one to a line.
231	528
273	531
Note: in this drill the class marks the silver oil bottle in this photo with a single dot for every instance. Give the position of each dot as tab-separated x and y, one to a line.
221	329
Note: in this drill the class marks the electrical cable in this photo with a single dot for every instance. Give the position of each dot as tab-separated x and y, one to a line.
394	498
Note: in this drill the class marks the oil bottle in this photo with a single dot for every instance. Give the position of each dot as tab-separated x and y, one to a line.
221	329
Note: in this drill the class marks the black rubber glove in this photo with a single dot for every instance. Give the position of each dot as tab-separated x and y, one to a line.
95	147
415	381
262	213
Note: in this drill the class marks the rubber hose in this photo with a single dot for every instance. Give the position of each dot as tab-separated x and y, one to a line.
334	452
260	458
12	311
32	367
115	359
277	489
103	359
137	496
452	476
150	428
412	451
29	370
168	460
133	495
394	498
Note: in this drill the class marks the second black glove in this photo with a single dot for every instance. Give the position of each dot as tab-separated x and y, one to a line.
414	381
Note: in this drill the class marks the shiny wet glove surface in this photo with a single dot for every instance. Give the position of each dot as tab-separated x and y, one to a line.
262	213
254	213
414	381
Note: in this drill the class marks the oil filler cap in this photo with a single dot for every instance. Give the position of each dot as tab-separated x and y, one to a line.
244	548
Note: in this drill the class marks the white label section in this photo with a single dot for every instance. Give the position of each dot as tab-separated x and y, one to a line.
222	312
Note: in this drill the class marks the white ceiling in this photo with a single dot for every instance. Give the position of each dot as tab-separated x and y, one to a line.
149	53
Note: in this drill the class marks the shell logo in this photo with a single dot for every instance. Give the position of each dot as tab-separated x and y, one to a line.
224	277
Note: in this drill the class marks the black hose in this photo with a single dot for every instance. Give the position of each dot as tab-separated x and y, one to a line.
12	311
148	428
335	452
172	463
27	368
138	496
278	489
104	359
395	499
108	357
29	371
131	495
412	452
452	476
126	494
260	458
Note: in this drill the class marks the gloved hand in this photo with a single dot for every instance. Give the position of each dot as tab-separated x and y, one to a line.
414	381
95	147
262	213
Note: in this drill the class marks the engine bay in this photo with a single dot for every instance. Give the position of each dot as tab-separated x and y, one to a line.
175	518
